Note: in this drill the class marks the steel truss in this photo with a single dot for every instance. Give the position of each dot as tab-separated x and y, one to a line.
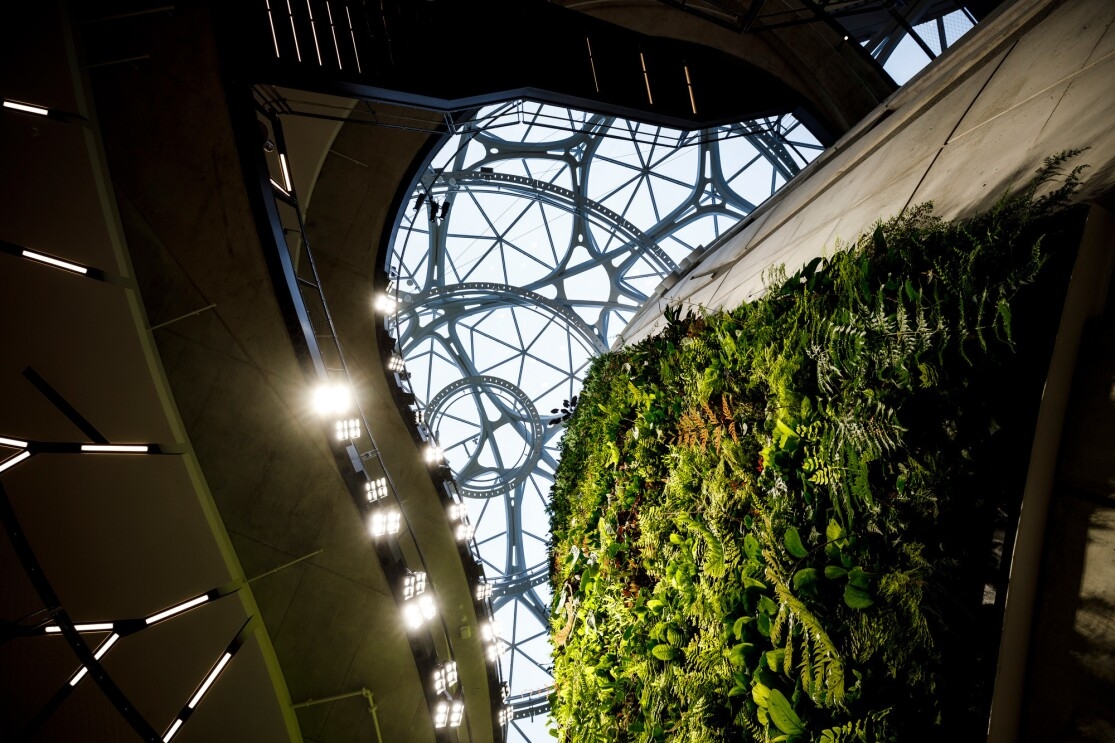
559	225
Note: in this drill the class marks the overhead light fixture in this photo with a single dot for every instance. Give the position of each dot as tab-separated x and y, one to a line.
413	584
54	629
489	631
506	715
385	521
449	713
278	188
209	680
434	454
375	489
456	712
26	108
100	653
348	428
396	363
464	531
445	676
332	397
56	262
483	591
385	304
13	442
457	511
173	729
419	610
116	448
689	85
286	171
9	463
184	606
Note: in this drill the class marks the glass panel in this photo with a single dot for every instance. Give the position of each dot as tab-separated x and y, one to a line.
560	224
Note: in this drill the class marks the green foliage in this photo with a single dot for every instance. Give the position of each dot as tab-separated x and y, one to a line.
754	517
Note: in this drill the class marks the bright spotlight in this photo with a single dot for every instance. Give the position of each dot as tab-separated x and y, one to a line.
385	521
413	584
385	304
449	713
375	489
419	610
445	676
332	398
348	428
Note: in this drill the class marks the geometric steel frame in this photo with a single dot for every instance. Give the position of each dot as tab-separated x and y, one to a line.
445	317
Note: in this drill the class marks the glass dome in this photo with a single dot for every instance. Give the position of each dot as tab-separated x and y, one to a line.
531	238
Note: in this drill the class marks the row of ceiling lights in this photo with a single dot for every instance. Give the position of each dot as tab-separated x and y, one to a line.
334	402
26	449
118	629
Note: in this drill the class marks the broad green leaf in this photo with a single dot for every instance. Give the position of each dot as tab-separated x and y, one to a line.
857	598
737	627
749	582
833	531
767	605
782	714
664	652
751	547
775	659
858	578
834	571
761	694
793	543
738	654
805	578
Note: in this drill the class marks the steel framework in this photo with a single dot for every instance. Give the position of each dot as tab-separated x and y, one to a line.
531	237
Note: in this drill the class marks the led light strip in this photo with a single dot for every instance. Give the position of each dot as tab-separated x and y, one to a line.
116	448
271	20
333	28
173	729
313	32
66	265
209	680
96	656
13	442
286	171
352	35
8	464
94	627
177	609
26	108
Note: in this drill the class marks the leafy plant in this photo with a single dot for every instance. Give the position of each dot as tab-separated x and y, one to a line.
762	517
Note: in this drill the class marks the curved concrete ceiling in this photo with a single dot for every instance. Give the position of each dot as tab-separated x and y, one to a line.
282	515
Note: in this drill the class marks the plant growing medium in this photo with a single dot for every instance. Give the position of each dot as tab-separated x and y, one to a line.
771	524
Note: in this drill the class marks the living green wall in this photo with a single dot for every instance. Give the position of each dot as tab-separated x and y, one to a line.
774	523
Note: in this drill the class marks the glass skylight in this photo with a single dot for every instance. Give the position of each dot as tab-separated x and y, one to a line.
559	225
